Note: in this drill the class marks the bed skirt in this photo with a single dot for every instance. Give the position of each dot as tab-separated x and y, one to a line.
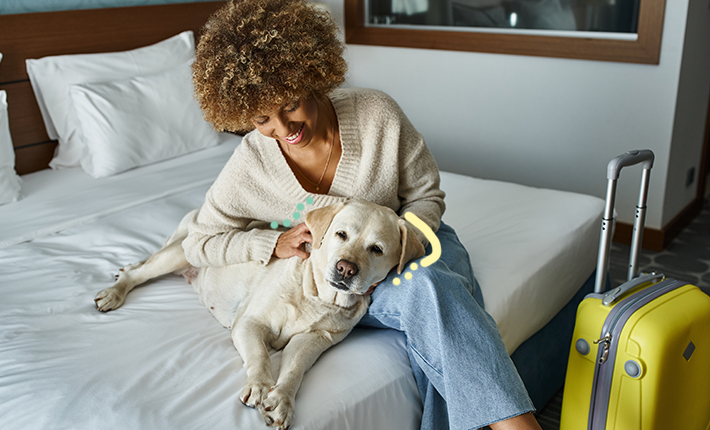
542	359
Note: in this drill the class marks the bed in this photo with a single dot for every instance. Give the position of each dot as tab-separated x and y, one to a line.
162	361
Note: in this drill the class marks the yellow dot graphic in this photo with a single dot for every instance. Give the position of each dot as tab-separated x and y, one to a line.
414	266
408	275
396	281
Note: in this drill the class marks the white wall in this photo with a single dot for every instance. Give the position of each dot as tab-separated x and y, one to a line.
691	111
539	121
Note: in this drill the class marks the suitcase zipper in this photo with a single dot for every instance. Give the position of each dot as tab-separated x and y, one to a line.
613	325
606	340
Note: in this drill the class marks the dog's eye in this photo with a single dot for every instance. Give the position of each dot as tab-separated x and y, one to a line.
342	235
376	250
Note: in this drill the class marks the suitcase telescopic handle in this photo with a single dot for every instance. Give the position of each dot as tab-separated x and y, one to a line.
646	158
631	158
612	295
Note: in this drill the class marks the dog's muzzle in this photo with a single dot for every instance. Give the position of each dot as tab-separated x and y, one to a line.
343	275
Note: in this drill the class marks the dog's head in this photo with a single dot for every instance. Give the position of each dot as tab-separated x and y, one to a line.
359	242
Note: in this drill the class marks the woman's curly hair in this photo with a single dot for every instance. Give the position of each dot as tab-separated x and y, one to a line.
256	55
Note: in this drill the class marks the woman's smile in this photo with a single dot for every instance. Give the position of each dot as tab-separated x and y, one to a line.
296	137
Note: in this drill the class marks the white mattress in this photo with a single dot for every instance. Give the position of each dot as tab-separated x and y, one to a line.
163	362
531	248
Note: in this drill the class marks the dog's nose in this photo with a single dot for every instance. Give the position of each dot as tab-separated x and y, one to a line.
346	269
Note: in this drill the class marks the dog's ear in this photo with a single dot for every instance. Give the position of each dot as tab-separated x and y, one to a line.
319	220
411	246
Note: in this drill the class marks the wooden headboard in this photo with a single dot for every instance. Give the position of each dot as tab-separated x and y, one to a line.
35	35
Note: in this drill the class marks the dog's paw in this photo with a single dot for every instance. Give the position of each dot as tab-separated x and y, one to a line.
254	393
110	299
277	409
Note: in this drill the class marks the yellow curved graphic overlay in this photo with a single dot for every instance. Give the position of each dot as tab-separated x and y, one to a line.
433	241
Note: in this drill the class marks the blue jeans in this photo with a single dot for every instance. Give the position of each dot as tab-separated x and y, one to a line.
465	377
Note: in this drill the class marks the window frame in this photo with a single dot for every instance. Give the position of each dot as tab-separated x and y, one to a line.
646	49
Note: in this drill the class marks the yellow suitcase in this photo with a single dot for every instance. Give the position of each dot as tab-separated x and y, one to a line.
640	354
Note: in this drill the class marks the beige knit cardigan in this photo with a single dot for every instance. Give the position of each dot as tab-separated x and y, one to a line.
384	160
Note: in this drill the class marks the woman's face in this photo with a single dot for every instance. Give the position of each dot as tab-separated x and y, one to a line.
295	124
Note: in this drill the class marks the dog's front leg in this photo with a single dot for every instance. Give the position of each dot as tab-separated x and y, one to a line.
251	340
298	356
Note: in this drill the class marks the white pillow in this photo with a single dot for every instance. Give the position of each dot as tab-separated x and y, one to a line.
9	181
52	76
133	122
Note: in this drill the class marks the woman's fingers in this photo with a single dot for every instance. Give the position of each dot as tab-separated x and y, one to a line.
290	242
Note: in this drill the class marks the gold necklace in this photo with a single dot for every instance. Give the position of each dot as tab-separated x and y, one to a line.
327	162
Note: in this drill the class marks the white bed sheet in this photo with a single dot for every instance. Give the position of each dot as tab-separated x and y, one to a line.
162	361
59	199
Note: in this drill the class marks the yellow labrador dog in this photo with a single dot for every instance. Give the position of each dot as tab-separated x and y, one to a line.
302	306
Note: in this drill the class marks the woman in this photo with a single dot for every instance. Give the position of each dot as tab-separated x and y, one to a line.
273	66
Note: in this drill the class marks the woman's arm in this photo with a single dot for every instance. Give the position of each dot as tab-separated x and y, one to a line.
220	233
418	175
407	175
419	180
217	239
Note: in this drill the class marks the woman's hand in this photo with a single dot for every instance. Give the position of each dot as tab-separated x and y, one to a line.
289	243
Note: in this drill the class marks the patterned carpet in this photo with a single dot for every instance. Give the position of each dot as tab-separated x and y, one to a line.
687	258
